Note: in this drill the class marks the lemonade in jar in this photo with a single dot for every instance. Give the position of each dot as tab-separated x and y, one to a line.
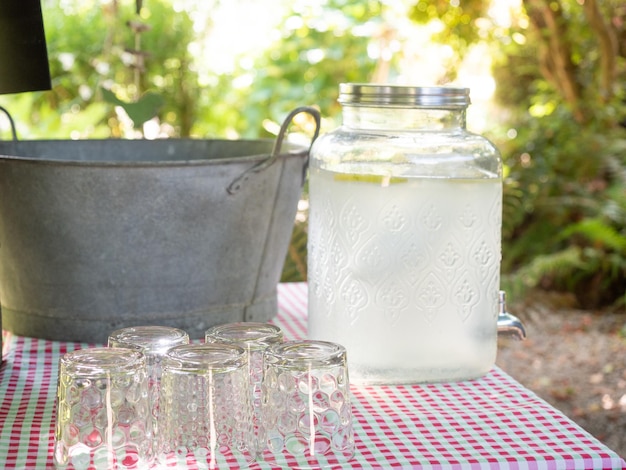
404	237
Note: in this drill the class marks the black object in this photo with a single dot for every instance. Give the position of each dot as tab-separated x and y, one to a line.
23	52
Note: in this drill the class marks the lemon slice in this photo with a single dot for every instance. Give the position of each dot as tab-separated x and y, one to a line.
382	180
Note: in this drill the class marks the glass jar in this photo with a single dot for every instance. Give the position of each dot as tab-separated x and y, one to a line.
404	236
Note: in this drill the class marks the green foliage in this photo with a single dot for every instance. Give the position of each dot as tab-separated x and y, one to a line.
295	269
458	18
569	162
90	46
317	49
559	264
568	223
169	63
566	227
461	24
140	111
601	234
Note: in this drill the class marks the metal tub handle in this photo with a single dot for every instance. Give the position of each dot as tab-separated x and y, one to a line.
238	182
11	122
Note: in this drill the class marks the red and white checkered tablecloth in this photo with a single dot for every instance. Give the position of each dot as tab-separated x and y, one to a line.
490	423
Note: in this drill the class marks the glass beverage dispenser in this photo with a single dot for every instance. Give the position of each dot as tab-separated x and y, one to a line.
404	236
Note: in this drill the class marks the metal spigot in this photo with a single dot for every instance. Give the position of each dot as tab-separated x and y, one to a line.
508	324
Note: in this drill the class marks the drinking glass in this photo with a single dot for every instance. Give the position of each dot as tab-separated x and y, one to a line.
154	342
306	405
205	414
254	338
103	418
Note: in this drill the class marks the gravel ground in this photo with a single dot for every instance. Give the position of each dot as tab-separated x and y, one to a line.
575	360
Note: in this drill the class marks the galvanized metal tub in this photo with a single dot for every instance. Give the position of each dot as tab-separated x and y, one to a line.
101	234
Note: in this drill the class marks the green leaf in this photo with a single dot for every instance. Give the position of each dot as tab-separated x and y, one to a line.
597	233
140	111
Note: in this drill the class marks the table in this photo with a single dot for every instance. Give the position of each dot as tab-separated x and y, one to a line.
489	423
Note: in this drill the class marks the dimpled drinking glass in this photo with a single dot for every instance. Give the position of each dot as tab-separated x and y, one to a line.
306	405
154	342
103	411
205	414
254	338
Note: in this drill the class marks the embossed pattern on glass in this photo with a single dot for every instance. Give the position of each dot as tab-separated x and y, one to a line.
103	418
154	342
205	412
254	338
415	261
306	405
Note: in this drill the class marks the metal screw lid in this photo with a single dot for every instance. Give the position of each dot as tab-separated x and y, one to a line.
367	94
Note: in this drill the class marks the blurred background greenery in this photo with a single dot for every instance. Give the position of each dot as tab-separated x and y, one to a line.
547	78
